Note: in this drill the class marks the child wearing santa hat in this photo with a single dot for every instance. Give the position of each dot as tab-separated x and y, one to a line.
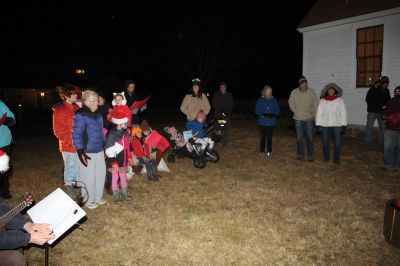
119	103
118	154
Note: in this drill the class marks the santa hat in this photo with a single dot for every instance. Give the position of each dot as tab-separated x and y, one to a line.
4	162
118	117
122	94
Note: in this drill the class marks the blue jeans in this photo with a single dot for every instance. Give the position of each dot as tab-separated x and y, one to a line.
371	117
327	134
392	141
71	167
304	128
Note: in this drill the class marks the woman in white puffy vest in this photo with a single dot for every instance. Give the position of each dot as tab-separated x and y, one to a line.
331	120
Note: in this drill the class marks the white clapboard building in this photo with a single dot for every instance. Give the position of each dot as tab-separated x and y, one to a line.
352	43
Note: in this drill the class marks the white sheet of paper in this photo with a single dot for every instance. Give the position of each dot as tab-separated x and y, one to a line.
58	210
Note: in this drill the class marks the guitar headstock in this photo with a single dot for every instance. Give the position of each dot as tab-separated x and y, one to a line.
28	199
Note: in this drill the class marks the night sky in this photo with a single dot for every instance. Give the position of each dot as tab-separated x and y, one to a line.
161	45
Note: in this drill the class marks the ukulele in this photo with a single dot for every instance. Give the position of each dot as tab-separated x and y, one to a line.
28	199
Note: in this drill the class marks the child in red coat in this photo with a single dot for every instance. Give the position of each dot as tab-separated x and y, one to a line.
143	154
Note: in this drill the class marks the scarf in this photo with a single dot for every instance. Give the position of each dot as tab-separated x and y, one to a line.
329	98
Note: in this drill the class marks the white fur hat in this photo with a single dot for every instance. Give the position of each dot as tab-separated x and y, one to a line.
119	94
4	162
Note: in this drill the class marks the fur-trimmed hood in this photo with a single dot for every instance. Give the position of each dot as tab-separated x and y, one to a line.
339	91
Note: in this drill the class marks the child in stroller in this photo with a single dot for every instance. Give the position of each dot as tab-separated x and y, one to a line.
195	145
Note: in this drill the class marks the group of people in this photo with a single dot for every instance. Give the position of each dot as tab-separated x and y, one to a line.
95	142
328	116
95	131
99	143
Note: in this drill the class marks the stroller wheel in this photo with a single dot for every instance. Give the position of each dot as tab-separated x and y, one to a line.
171	158
212	156
199	162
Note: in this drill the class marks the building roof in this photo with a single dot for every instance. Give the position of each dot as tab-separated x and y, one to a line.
330	10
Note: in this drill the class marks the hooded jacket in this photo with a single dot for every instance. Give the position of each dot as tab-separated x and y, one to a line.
331	113
63	119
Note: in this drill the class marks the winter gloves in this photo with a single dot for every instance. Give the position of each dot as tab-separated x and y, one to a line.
266	115
343	130
83	157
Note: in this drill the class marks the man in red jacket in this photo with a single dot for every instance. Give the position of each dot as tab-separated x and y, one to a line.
63	117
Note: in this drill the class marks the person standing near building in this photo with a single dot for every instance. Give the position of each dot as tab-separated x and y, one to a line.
267	110
331	120
223	104
392	133
304	103
7	119
377	97
63	118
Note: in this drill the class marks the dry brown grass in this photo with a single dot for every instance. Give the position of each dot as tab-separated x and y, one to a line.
241	211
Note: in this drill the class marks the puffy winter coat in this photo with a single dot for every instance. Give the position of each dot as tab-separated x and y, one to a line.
267	110
118	147
331	113
191	105
87	132
140	149
63	119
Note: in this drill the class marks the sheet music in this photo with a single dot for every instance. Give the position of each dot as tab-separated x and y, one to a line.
58	210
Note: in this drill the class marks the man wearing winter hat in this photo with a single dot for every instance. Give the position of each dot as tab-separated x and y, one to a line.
303	102
392	133
377	97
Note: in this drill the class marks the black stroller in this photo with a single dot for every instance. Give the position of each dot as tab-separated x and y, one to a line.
194	151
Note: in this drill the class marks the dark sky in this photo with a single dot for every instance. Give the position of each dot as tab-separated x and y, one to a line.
162	45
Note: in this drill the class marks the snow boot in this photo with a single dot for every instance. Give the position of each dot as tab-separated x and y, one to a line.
71	192
117	196
125	194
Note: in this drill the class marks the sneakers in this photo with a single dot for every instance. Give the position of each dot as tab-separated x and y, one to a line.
310	158
92	205
261	154
269	154
101	201
300	157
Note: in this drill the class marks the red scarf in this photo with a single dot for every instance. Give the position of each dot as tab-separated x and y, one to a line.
329	98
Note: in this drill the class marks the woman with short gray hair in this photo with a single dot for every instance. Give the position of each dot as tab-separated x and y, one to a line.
88	139
267	110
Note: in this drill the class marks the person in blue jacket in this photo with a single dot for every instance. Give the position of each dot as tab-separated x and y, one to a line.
89	140
267	110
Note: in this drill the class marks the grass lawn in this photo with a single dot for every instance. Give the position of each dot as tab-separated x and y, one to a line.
241	211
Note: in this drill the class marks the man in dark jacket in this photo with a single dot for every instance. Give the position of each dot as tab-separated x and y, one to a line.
377	97
392	133
18	233
223	104
131	96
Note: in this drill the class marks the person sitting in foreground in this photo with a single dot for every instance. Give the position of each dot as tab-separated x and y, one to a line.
17	233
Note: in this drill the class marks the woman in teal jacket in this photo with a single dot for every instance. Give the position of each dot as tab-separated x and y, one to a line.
267	110
7	119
